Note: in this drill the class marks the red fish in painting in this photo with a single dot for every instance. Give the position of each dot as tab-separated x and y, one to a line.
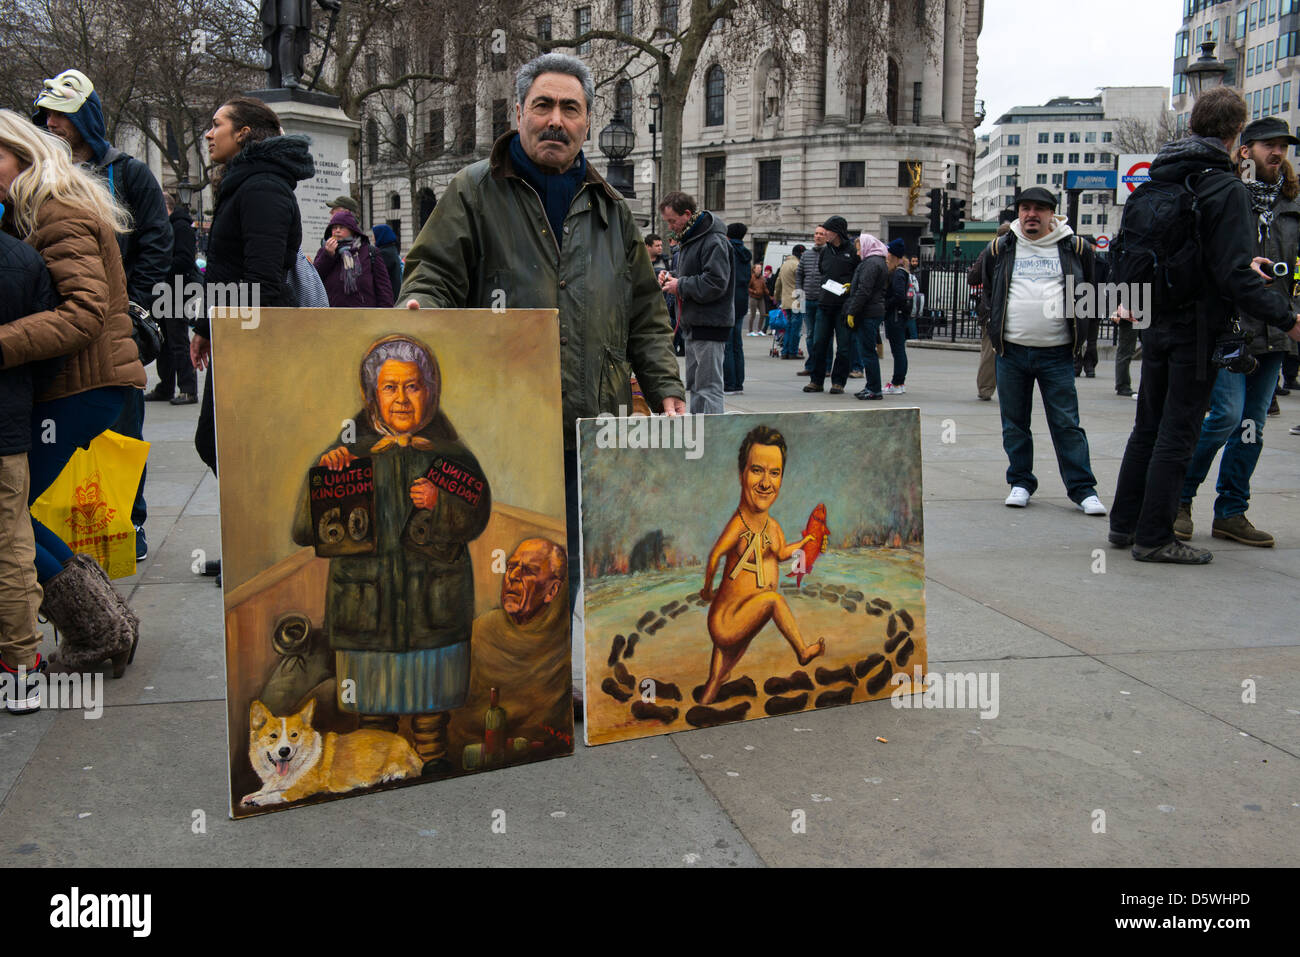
816	527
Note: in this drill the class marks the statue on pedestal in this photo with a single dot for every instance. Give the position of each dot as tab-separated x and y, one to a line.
772	95
286	38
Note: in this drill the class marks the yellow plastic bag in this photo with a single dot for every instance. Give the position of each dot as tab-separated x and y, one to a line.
89	504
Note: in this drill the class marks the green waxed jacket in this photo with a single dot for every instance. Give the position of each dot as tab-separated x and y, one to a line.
489	232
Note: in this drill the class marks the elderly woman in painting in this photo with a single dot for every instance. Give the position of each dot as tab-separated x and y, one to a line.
399	617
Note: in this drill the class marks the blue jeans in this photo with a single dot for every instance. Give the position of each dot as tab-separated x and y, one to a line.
1052	367
76	420
864	336
790	344
733	359
1235	399
815	318
896	333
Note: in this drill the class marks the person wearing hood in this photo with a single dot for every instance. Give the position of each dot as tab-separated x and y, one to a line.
1178	379
837	262
1024	279
256	226
733	362
865	309
896	315
69	107
386	246
705	300
177	381
354	275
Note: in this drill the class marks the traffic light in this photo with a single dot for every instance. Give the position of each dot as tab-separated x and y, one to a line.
936	210
954	217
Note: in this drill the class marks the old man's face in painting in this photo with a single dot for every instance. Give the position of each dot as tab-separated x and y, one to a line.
534	574
402	395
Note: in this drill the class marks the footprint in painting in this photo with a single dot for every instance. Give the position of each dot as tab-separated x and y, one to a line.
702	716
611	688
827	677
644	711
786	705
796	682
738	687
616	650
828	699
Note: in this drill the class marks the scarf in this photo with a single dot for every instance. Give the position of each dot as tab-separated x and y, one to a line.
351	264
1263	197
556	190
686	230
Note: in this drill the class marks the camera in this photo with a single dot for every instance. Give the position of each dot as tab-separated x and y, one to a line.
1279	269
1230	353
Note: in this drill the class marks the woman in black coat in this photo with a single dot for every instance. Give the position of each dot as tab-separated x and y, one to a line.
256	226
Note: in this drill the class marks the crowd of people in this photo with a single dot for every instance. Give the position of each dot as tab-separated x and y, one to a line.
87	233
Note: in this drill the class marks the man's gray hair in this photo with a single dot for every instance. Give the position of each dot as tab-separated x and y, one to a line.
554	63
402	350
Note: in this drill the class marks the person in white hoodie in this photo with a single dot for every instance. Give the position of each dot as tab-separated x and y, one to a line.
1024	276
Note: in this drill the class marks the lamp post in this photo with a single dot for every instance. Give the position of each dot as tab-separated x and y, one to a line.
1207	72
616	141
656	107
186	191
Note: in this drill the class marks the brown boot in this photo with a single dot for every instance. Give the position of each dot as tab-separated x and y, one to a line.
84	609
1239	529
1183	523
430	733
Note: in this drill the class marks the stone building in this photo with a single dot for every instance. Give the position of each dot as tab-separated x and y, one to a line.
779	152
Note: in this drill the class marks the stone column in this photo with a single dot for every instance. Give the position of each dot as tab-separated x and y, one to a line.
318	116
876	78
932	82
837	105
954	61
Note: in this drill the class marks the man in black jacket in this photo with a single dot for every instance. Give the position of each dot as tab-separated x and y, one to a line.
25	288
837	263
733	362
703	289
69	107
177	380
1177	377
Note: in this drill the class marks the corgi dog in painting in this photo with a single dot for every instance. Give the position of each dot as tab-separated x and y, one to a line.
295	761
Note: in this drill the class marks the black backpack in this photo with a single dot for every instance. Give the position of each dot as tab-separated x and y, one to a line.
1159	244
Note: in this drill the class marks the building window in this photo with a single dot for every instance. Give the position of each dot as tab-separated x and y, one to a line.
500	119
1267	108
372	139
433	138
372	69
1057	179
1013	139
623	102
1042	158
769	179
1058	137
623	16
1090	137
1089	158
434	56
1042	137
854	174
715	96
465	135
1268	55
1086	199
1252	8
1040	179
1074	137
1013	160
543	28
1074	158
1105	138
581	24
1058	157
399	61
1286	96
916	104
399	137
1086	219
1010	180
715	182
668	15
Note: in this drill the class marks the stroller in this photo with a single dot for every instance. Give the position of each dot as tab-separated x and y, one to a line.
776	324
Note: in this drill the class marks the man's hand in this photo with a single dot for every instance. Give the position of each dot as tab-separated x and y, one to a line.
200	352
670	285
332	245
337	459
412	304
673	406
1257	263
1122	314
1294	332
424	494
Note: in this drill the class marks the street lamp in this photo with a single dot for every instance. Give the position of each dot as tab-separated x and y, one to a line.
617	140
1207	72
186	191
656	107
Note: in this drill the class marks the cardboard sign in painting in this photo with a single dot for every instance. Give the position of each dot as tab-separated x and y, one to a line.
393	548
745	566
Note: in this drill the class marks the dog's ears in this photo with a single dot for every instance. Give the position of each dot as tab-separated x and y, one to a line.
308	710
258	715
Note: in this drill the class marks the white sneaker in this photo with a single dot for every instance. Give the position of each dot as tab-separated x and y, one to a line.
1018	498
1295	430
891	389
1092	506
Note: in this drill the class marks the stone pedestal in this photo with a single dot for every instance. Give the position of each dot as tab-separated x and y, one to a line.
318	116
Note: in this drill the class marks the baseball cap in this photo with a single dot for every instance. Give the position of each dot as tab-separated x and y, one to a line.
1268	128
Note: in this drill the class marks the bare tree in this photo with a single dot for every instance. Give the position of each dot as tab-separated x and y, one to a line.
1136	135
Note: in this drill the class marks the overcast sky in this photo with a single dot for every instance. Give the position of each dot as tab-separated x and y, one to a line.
1033	50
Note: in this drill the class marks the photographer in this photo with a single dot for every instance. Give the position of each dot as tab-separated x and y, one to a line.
1239	402
1177	375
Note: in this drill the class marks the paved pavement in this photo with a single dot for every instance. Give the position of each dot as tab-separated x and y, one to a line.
1121	692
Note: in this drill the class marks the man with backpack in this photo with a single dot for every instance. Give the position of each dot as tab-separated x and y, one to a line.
1189	236
1024	280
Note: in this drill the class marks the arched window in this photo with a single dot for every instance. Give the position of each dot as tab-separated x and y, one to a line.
372	139
715	96
395	201
623	101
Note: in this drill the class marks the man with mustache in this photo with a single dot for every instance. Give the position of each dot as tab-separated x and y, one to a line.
1024	282
1239	402
536	227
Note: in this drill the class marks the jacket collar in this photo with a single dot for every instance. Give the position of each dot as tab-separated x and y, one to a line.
502	168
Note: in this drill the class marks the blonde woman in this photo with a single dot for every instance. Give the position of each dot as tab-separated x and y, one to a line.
71	219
